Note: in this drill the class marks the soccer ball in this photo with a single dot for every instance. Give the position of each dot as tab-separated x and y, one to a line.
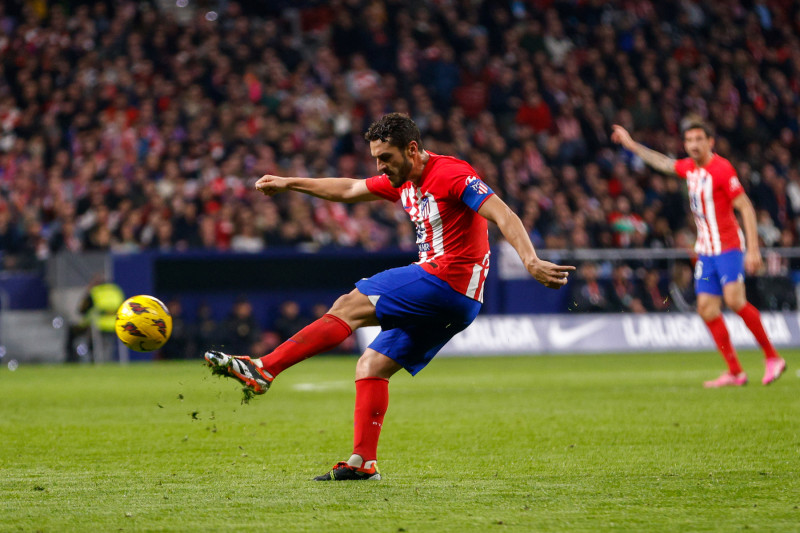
143	323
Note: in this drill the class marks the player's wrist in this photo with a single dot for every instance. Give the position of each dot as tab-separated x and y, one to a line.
532	262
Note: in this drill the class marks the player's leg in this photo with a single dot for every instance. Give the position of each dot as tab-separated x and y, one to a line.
373	371
709	307
735	298
418	315
349	312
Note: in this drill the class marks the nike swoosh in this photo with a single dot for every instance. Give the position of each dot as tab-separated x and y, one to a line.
561	338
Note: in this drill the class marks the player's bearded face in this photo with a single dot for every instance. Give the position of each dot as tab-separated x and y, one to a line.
403	171
392	161
698	145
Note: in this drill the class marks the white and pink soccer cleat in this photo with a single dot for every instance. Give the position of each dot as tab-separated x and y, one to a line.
727	380
775	366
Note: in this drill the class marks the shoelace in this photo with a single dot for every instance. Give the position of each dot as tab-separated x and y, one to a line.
342	464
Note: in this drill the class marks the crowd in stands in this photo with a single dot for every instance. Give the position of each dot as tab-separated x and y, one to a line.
126	128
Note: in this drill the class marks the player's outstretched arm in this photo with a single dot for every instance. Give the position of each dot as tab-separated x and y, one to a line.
346	190
657	160
548	274
752	256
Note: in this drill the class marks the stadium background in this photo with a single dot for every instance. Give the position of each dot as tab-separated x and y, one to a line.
131	133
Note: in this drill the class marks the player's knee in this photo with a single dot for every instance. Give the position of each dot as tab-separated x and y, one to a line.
735	296
339	305
708	310
362	367
375	365
355	309
735	303
346	306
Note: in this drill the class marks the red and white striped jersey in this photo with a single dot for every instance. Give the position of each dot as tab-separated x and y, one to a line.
453	239
712	190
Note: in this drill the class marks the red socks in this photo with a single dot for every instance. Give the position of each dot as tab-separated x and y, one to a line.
720	334
321	335
752	319
372	400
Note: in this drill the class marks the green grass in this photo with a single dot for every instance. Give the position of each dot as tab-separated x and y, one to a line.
592	443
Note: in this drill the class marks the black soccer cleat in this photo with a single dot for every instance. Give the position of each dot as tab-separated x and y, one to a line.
344	472
241	367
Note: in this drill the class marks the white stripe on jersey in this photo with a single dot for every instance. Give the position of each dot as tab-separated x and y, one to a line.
711	214
701	201
474	280
435	220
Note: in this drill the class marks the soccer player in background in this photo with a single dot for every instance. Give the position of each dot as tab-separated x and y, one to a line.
724	254
419	307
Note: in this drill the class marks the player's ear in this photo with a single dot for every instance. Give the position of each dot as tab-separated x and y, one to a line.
412	149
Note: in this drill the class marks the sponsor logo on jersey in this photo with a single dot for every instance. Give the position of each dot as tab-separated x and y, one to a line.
420	230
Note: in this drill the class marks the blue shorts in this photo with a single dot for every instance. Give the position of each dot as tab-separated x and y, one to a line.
418	314
712	272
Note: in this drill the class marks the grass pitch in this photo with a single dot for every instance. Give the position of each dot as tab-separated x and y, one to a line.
592	443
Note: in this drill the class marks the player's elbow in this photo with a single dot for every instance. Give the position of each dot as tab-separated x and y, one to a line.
507	220
349	196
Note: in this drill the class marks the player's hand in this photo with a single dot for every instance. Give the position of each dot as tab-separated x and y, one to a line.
753	261
621	136
549	274
271	185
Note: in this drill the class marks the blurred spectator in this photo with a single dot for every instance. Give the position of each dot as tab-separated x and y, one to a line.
653	297
628	227
624	294
768	232
204	331
535	113
247	238
289	320
179	345
98	310
681	288
588	294
239	331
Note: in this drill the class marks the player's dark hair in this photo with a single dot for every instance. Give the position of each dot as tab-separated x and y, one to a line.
697	125
395	128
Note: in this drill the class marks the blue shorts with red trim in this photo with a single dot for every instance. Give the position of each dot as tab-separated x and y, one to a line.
712	272
418	314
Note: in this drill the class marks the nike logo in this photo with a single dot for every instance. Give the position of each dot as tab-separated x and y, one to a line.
562	338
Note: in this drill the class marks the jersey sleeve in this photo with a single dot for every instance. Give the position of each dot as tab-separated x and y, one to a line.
475	192
682	166
380	186
732	184
466	185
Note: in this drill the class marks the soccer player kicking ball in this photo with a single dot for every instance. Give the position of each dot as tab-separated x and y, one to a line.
418	307
714	193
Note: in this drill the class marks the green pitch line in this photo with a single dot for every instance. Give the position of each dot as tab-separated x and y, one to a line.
567	443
